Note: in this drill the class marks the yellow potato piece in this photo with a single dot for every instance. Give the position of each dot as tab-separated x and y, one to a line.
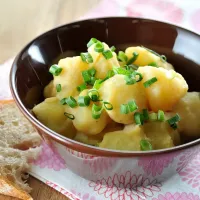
169	88
189	110
101	64
127	139
50	90
145	57
51	113
71	76
116	92
160	134
84	122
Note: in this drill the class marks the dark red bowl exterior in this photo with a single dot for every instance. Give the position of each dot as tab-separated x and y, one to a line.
29	74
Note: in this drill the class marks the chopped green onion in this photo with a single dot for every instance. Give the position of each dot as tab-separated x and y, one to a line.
70	116
58	87
96	111
132	106
71	102
163	58
139	75
153	116
97	84
107	105
92	81
122	56
129	80
161	116
150	82
83	101
107	54
145	145
63	101
112	48
55	70
92	72
120	70
153	64
93	94
174	126
145	114
110	74
124	109
174	119
131	60
132	66
99	47
82	87
86	57
86	76
139	118
91	42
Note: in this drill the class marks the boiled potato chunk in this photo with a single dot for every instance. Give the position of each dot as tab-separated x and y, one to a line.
70	77
84	122
160	134
127	139
116	92
101	64
51	113
169	88
145	57
189	110
50	90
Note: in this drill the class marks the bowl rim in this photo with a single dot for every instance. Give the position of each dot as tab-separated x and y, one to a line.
70	143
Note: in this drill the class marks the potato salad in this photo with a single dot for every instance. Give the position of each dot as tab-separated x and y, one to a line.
128	100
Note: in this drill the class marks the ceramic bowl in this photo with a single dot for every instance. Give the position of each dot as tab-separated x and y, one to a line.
29	75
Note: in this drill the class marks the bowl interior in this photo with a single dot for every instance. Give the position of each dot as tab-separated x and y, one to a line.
29	74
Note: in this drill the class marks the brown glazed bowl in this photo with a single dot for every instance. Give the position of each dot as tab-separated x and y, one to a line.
29	74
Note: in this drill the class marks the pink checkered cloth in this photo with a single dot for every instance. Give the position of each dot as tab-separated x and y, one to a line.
52	167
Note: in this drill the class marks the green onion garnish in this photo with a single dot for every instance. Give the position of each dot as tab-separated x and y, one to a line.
145	114
63	101
161	116
93	94
122	56
96	111
99	47
132	66
174	119
150	82
132	106
82	87
68	115
97	84
55	70
139	118
174	126
124	109
153	64
107	105
110	74
92	81
145	145
131	60
129	80
153	116
163	58
86	76
107	54
86	57
112	48
83	101
92	72
139	75
58	87
91	42
120	70
71	102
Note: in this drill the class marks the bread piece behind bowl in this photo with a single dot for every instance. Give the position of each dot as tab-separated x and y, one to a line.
18	145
